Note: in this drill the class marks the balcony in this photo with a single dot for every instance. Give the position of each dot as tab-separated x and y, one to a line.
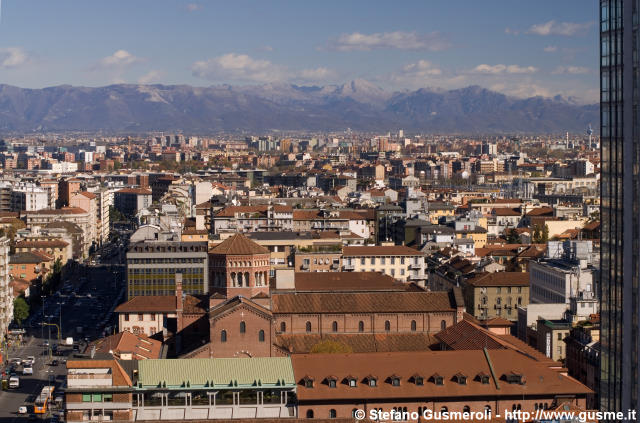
415	266
348	266
417	276
304	267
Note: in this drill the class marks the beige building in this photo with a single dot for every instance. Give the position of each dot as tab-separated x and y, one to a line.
397	261
499	294
551	335
84	219
317	261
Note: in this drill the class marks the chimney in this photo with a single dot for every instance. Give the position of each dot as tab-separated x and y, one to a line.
179	296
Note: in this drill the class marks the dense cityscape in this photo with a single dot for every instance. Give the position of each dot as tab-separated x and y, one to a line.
481	269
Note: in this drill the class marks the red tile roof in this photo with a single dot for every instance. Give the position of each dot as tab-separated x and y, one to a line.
540	379
394	250
499	279
357	302
238	244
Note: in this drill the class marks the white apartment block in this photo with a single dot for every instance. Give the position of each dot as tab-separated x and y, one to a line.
29	198
6	292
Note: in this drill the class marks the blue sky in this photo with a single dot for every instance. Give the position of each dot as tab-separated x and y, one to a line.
522	48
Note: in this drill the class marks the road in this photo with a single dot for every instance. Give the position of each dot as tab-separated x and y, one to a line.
30	386
86	300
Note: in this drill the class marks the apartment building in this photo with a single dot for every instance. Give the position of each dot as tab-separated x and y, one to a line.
152	266
29	198
6	292
491	295
84	219
130	201
397	261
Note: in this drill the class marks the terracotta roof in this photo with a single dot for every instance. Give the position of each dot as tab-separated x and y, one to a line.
468	334
592	225
394	250
119	375
64	210
155	303
87	194
141	191
346	281
19	286
499	279
506	212
303	343
541	211
539	378
356	302
261	209
140	345
240	245
42	244
27	257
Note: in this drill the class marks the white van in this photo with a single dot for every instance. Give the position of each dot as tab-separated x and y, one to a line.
14	382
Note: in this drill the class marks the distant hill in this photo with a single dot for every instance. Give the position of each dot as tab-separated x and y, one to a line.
359	105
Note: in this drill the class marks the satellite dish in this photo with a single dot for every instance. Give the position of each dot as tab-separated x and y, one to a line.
465	175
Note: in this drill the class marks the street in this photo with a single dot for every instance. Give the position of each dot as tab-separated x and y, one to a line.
81	309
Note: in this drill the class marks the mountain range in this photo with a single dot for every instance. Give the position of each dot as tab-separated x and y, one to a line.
359	105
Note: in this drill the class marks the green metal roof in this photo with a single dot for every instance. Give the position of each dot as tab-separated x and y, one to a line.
216	373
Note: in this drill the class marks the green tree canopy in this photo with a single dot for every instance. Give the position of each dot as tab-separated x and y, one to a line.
20	310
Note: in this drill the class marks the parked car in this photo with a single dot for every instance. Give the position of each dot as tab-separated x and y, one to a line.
22	409
27	370
54	362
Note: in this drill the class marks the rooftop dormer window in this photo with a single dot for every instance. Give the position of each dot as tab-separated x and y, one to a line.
395	380
372	381
352	381
483	378
437	379
307	382
332	381
460	378
514	378
418	380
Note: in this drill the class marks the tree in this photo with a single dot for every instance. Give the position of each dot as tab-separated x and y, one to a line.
512	236
535	238
330	347
20	310
545	234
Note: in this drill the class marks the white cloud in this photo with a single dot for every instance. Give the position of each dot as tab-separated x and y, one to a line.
423	74
119	59
243	68
192	7
317	74
238	67
501	69
550	49
150	77
511	31
421	68
400	40
13	57
571	70
560	28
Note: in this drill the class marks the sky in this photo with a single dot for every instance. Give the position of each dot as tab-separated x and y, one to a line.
522	48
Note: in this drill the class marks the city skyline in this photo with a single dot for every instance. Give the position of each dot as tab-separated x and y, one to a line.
520	50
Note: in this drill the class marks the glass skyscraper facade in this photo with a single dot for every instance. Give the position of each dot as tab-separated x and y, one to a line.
620	211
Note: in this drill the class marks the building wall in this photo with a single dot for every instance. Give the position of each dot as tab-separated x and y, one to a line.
317	262
241	344
345	408
404	268
494	301
373	322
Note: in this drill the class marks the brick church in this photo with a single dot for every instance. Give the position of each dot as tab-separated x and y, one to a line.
249	316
